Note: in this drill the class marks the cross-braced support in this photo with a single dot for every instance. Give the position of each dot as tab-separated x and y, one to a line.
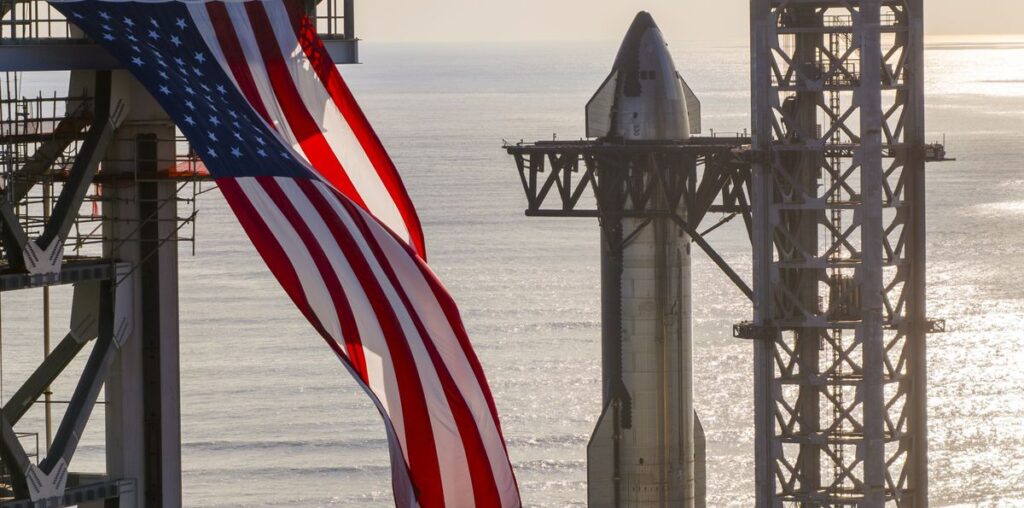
681	182
98	318
838	237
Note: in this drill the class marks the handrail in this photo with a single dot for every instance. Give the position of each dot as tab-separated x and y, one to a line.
33	20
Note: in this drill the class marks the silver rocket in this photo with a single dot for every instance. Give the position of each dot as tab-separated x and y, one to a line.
644	98
647	449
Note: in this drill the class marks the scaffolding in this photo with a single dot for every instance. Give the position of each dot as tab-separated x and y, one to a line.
29	21
34	36
333	19
100	196
33	20
40	137
52	203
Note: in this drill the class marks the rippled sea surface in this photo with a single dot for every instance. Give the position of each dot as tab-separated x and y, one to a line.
269	417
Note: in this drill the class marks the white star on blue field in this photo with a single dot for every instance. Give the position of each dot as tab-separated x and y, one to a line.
158	43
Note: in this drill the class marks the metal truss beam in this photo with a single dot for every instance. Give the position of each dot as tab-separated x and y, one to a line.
14	457
70	272
83	400
44	376
703	174
73	496
640	180
86	163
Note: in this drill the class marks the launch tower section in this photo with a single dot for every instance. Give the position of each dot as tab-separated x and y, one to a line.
831	186
838	203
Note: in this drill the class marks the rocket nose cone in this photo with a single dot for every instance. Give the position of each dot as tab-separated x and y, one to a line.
643	21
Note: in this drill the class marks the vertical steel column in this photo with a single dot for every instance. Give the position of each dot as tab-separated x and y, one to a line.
916	305
801	224
762	25
350	19
870	334
146	149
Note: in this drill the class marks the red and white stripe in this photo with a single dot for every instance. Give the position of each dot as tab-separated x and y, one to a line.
388	317
344	241
272	53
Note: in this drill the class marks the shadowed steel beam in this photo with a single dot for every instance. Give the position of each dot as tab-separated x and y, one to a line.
58	56
43	376
109	490
13	235
41	163
83	401
710	251
761	31
86	163
350	19
70	272
14	457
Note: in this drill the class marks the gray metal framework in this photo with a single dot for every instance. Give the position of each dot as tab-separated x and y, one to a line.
55	155
33	251
612	181
95	292
838	213
35	37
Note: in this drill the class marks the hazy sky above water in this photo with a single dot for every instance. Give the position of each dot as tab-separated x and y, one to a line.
723	21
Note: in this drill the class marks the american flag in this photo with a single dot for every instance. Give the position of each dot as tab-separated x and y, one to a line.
251	86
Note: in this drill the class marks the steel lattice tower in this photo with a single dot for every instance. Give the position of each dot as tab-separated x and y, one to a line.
839	252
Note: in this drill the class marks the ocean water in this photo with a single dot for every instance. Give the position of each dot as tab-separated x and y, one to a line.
269	417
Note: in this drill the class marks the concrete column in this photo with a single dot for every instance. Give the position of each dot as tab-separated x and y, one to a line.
143	411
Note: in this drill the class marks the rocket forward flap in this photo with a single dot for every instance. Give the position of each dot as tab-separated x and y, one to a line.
692	105
599	109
